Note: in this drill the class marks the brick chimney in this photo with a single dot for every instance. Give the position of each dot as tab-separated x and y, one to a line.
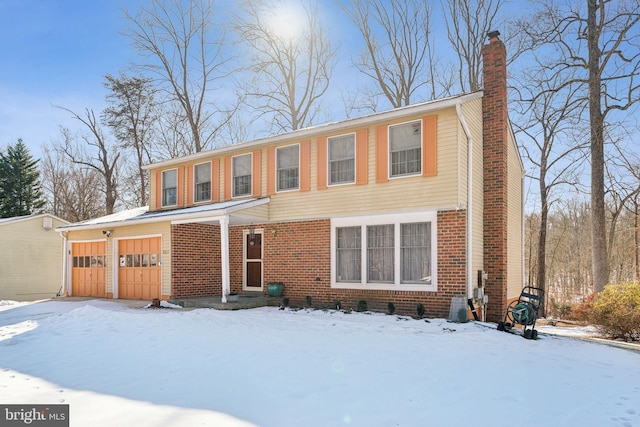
495	149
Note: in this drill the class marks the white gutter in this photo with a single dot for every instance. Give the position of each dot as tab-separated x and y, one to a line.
463	122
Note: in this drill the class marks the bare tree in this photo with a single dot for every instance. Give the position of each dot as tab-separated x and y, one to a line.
550	112
132	115
185	49
69	188
291	61
96	154
600	41
468	23
398	54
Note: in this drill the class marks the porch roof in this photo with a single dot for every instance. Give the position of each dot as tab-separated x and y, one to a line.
204	213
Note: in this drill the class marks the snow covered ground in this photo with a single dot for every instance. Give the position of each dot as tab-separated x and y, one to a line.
117	365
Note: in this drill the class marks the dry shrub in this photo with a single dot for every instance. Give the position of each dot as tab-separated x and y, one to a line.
616	311
582	312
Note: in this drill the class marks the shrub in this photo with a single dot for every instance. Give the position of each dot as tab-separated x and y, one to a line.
616	311
582	311
337	304
362	305
392	308
308	300
420	309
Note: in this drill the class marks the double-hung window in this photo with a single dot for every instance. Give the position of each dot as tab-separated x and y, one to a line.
242	175
342	159
288	167
202	182
405	149
390	252
170	187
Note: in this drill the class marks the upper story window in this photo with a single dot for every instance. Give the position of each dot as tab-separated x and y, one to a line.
288	167
202	182
405	149
170	187
342	159
242	175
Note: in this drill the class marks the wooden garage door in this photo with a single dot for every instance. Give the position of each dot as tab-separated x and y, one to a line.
88	269
139	268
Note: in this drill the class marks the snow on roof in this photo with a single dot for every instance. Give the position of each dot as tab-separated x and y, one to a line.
143	214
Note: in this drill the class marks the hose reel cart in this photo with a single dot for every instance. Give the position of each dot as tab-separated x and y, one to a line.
524	311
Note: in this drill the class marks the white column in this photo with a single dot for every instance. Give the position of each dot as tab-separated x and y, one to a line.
224	251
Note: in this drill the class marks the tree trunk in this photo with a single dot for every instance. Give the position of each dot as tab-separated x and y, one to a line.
542	241
600	259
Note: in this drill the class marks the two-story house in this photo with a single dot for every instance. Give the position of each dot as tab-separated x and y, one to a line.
408	206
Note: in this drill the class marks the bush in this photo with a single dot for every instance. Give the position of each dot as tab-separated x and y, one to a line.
616	311
362	305
420	310
582	311
392	308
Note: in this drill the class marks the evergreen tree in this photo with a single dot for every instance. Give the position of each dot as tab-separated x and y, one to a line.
20	186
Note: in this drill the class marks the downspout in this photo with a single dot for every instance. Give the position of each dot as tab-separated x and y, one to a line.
463	122
63	289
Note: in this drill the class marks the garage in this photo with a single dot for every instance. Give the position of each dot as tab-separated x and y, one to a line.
88	269
139	268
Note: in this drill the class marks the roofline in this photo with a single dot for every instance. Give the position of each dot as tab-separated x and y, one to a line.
324	128
6	221
187	217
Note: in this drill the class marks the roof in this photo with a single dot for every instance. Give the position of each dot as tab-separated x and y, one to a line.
13	220
328	127
143	215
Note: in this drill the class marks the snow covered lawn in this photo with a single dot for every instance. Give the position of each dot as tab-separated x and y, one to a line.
116	365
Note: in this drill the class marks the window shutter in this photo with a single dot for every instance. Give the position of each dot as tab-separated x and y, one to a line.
256	174
362	156
228	180
382	154
159	190
271	171
180	196
190	184
305	166
321	155
429	146
215	180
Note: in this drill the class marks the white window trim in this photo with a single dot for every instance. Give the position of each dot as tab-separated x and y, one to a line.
299	170
355	160
195	183
162	187
233	184
396	220
389	150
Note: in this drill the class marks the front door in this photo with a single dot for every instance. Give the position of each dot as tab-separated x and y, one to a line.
253	261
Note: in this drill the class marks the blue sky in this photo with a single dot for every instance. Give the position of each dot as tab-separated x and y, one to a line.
55	52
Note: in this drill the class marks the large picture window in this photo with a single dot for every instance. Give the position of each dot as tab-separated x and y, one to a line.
170	187
390	252
242	175
405	149
202	178
342	159
288	167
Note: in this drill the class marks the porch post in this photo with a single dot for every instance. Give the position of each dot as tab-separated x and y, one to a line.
224	251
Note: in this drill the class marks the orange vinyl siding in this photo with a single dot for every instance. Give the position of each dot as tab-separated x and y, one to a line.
215	180
271	171
362	156
322	162
305	166
256	174
430	146
228	184
382	154
159	190
190	184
